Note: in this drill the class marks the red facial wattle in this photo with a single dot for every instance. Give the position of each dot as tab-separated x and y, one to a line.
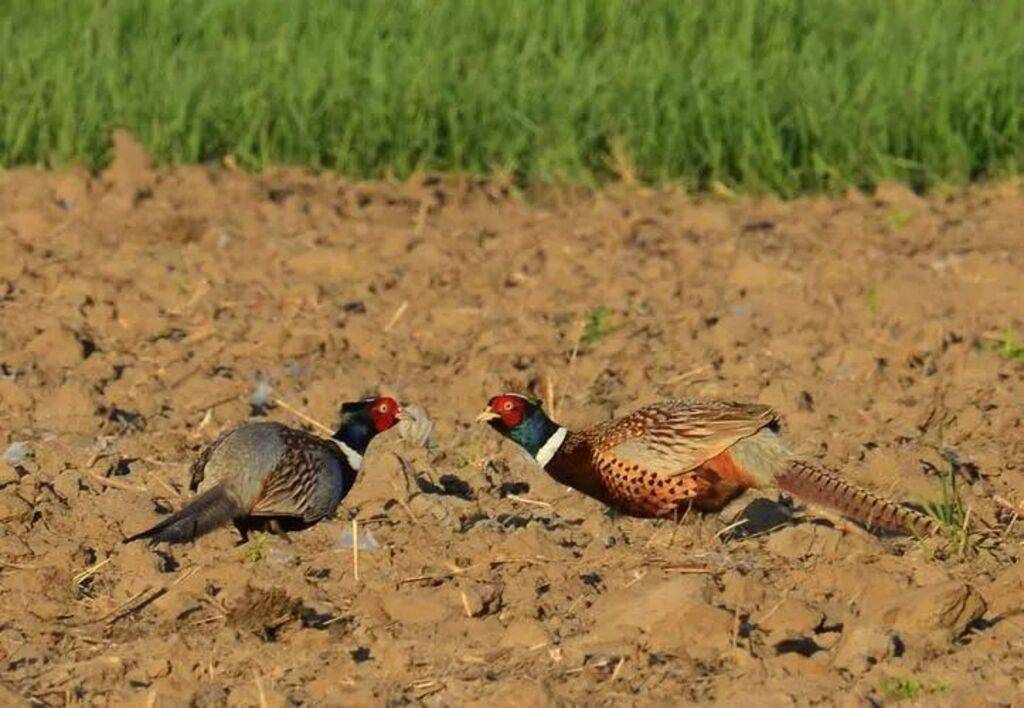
384	413
510	408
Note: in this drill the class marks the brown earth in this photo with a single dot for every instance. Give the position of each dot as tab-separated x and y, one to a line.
142	306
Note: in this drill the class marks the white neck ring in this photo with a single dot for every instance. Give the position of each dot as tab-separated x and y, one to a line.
548	450
355	460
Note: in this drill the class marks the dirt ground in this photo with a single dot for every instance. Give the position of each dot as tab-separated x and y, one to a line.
142	309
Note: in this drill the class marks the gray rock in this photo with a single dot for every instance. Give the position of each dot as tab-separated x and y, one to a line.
17	453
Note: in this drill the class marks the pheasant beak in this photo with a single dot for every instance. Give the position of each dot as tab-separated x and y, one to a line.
400	414
487	416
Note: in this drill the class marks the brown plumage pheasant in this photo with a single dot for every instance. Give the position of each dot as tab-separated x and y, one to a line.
666	457
267	476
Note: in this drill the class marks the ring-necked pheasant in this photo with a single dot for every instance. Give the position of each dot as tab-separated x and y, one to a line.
665	457
267	476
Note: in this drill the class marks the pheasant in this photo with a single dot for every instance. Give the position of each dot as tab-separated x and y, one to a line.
267	476
666	457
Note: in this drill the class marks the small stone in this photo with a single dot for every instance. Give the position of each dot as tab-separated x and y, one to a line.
16	453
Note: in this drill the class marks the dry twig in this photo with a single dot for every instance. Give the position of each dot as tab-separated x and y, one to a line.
299	414
397	316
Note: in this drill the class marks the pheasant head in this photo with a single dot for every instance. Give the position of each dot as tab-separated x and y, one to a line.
524	421
362	420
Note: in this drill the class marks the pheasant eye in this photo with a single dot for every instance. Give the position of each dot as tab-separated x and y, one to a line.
508	405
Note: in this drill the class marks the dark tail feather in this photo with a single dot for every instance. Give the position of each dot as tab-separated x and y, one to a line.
820	486
206	512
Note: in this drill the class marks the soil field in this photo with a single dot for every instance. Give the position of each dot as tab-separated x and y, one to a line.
142	309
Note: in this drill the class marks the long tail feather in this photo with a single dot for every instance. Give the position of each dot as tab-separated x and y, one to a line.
206	512
820	486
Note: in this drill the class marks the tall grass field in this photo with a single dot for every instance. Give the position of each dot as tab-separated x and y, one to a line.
765	96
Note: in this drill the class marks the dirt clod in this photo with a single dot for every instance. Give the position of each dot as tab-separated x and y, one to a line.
263	611
864	646
930	618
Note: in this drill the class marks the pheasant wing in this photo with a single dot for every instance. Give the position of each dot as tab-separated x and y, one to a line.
675	437
288	488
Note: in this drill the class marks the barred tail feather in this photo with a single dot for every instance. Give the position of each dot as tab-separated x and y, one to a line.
206	512
820	486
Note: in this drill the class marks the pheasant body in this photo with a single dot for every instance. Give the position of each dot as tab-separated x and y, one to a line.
664	458
271	470
267	476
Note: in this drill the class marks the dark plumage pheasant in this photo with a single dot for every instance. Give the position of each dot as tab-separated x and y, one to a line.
266	476
666	457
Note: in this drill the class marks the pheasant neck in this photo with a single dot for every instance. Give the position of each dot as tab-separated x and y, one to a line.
352	438
553	445
355	459
539	436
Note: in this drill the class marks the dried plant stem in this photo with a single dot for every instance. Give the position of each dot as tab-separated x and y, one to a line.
299	414
397	316
355	549
89	572
259	690
524	500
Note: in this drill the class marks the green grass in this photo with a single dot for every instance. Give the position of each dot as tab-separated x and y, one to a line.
1010	347
597	325
257	548
899	218
785	96
908	688
873	300
953	516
